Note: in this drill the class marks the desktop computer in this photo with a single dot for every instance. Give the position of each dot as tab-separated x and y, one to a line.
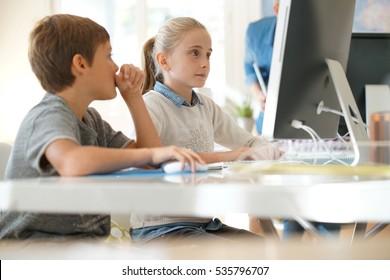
308	33
308	88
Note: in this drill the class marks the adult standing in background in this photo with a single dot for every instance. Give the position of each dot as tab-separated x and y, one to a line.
258	49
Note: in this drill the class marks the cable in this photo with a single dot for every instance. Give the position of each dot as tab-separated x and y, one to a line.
299	125
322	108
317	139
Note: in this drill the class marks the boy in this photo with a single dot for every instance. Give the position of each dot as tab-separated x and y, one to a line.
71	57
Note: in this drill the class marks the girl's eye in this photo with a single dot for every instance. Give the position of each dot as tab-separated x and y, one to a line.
194	53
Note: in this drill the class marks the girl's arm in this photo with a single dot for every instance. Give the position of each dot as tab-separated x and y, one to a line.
265	152
225	156
242	143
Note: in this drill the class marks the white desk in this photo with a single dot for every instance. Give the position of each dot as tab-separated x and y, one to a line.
319	198
213	193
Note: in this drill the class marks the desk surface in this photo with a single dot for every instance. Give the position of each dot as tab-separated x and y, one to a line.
376	249
313	197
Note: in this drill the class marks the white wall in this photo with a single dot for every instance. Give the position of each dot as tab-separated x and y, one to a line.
237	17
19	89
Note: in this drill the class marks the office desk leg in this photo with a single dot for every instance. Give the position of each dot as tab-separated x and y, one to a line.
375	230
309	227
359	232
269	228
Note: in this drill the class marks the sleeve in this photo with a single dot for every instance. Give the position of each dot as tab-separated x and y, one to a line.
228	133
106	135
51	124
154	108
250	74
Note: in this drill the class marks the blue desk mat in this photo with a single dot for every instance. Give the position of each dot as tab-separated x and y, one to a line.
139	172
133	172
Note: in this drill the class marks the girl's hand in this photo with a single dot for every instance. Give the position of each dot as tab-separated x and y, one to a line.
163	154
129	80
265	152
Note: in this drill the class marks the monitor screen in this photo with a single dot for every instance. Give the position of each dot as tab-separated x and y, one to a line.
368	63
307	33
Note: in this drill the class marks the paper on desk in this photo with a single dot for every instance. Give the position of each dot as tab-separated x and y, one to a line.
329	169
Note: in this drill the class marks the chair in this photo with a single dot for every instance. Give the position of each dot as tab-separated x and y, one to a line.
5	150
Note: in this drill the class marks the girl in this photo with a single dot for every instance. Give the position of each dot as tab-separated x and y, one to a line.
176	60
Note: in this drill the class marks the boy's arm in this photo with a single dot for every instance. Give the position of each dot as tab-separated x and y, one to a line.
129	81
71	159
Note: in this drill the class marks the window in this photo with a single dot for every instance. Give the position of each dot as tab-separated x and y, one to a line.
131	22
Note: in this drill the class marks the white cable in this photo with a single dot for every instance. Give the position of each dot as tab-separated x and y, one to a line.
316	139
333	158
342	139
322	108
299	125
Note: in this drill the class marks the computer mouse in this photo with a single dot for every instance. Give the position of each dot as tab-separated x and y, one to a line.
176	167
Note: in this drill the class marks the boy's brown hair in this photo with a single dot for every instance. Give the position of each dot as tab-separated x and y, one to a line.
53	43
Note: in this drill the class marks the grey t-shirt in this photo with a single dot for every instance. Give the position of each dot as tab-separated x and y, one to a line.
50	120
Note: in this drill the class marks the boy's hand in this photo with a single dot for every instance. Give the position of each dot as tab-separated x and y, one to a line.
129	80
163	154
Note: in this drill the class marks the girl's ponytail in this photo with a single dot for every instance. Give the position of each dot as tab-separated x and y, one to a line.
148	65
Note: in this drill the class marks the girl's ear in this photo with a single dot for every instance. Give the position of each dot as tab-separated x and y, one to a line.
161	58
79	64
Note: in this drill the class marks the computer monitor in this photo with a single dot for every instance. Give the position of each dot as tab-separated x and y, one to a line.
368	63
308	33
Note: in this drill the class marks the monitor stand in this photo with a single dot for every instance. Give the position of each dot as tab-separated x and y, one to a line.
359	137
356	127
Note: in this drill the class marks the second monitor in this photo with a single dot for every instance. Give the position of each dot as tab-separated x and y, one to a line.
368	64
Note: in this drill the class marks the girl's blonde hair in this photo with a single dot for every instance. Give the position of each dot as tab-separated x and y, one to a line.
167	38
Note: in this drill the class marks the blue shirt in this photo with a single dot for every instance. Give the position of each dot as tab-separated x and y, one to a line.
259	43
176	99
258	48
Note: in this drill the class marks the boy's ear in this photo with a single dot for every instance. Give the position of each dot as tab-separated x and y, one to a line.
79	64
161	58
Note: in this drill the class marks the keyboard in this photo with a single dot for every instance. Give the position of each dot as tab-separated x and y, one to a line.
320	158
326	152
301	152
293	158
